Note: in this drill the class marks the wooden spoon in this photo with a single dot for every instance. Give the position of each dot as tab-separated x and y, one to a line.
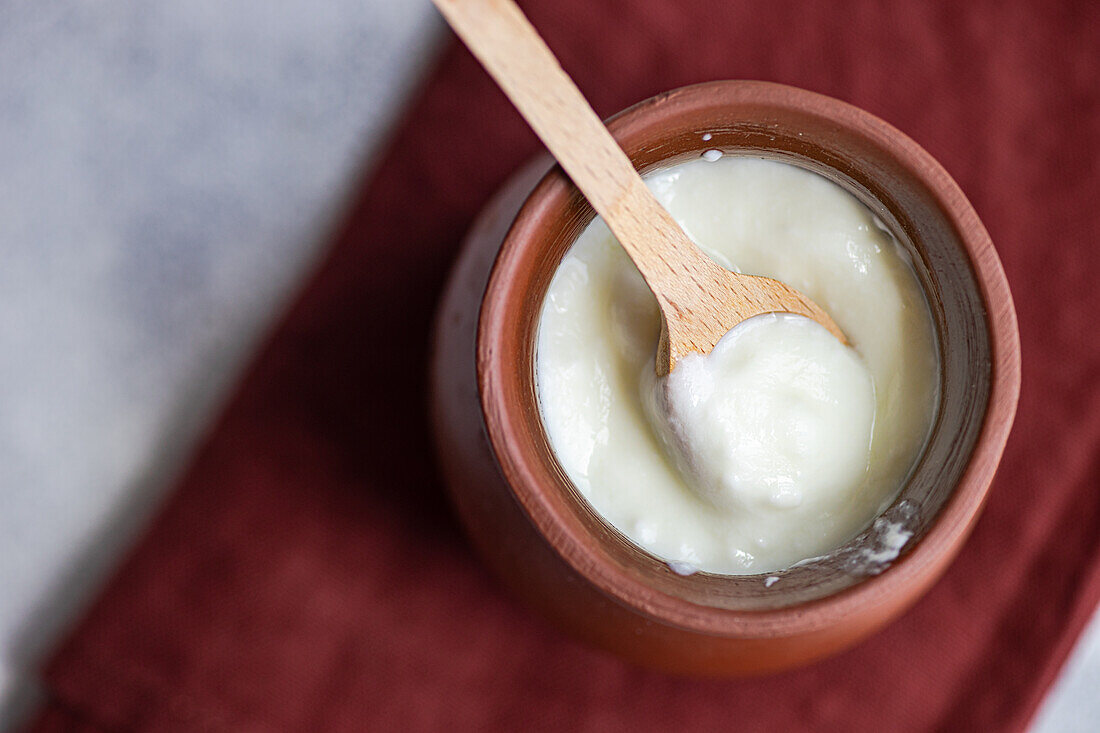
700	301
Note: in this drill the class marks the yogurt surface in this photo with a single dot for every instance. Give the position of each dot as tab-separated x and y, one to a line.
778	414
780	445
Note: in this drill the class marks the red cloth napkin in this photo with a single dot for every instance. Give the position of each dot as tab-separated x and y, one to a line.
307	574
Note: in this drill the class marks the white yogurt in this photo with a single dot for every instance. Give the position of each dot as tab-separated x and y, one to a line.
780	445
779	414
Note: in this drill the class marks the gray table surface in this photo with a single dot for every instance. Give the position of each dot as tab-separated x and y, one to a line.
167	172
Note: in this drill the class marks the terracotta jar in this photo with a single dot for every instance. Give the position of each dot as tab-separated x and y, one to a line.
531	524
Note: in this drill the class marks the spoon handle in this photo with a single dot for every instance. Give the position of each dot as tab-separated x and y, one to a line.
514	54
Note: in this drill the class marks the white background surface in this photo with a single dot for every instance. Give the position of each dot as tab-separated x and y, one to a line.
167	172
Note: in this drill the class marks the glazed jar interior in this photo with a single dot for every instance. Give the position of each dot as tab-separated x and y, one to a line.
555	216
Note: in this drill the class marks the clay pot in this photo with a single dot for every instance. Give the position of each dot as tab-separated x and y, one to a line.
538	534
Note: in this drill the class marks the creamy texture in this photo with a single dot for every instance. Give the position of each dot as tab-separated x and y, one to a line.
780	445
779	414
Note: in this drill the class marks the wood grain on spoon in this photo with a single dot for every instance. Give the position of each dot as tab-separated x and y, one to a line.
700	301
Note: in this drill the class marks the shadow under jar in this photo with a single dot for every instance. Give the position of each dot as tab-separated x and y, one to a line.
543	539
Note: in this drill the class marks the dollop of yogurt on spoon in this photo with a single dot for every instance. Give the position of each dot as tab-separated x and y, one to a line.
779	414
